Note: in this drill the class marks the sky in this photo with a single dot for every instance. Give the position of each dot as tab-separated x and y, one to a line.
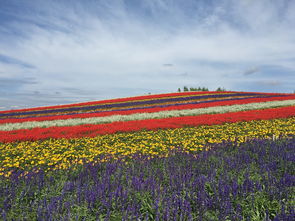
66	51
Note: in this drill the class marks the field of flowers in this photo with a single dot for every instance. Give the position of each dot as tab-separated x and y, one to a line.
178	156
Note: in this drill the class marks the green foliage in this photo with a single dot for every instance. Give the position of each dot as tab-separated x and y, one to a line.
199	89
253	205
220	89
185	88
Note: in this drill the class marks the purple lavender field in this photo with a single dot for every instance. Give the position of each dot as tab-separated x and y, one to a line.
252	181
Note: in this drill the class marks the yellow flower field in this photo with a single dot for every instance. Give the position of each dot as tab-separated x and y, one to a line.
55	154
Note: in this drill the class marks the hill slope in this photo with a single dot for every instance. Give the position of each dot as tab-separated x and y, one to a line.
173	110
66	135
179	156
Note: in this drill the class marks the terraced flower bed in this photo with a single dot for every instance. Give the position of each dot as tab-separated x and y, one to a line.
182	156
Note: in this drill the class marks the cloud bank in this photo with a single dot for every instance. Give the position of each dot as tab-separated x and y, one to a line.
71	51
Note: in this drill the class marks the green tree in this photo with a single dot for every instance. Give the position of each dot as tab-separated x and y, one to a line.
220	89
185	88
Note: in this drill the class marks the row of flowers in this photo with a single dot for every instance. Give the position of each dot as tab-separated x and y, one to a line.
144	116
150	109
51	154
92	130
128	99
92	108
117	107
144	108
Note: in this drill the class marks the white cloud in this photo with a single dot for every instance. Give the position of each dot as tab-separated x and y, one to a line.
75	47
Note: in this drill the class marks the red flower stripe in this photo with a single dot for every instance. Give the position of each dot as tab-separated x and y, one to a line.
151	124
132	99
148	110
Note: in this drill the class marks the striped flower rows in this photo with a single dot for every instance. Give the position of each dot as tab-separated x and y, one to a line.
129	105
134	115
63	153
152	109
118	104
144	116
135	107
150	124
184	156
123	100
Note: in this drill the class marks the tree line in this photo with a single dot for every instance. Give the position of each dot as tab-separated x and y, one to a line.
185	88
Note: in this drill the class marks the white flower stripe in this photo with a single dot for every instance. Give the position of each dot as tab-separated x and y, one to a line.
143	116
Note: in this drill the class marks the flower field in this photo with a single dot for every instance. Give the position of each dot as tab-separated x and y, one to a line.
178	156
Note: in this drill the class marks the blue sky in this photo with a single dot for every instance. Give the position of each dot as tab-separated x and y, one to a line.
56	52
